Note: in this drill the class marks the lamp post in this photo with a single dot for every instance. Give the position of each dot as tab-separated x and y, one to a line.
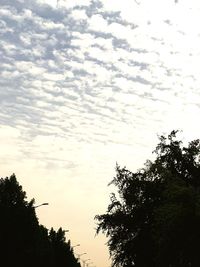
88	264
84	261
76	246
43	204
79	255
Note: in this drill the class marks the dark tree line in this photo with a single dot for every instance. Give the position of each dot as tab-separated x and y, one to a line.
155	219
23	241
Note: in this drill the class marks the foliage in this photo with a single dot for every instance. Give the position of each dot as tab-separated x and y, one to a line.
23	241
155	220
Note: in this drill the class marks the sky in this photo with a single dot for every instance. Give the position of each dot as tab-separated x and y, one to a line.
88	83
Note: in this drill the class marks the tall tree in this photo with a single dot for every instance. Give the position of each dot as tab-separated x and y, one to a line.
23	241
62	252
155	220
18	224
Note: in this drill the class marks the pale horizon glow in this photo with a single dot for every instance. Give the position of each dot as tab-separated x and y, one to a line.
86	84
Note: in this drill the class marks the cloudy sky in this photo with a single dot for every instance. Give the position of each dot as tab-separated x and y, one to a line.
88	83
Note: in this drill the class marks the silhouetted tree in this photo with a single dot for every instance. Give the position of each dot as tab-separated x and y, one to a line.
62	251
155	221
18	224
23	241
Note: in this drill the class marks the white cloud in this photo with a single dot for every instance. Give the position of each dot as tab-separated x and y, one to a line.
83	40
53	76
52	3
79	14
26	39
120	31
98	23
103	43
50	25
65	3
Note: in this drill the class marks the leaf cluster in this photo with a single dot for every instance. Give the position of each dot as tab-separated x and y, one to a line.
155	219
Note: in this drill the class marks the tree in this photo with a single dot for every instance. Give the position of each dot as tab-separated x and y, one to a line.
155	220
23	241
62	251
18	224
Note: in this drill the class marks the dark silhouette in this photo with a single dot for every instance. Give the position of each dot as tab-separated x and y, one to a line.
155	221
23	241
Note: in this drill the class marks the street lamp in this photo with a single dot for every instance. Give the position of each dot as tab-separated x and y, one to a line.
87	260
84	261
76	246
79	255
88	264
43	204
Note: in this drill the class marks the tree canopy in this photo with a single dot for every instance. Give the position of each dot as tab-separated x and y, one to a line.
155	219
23	241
